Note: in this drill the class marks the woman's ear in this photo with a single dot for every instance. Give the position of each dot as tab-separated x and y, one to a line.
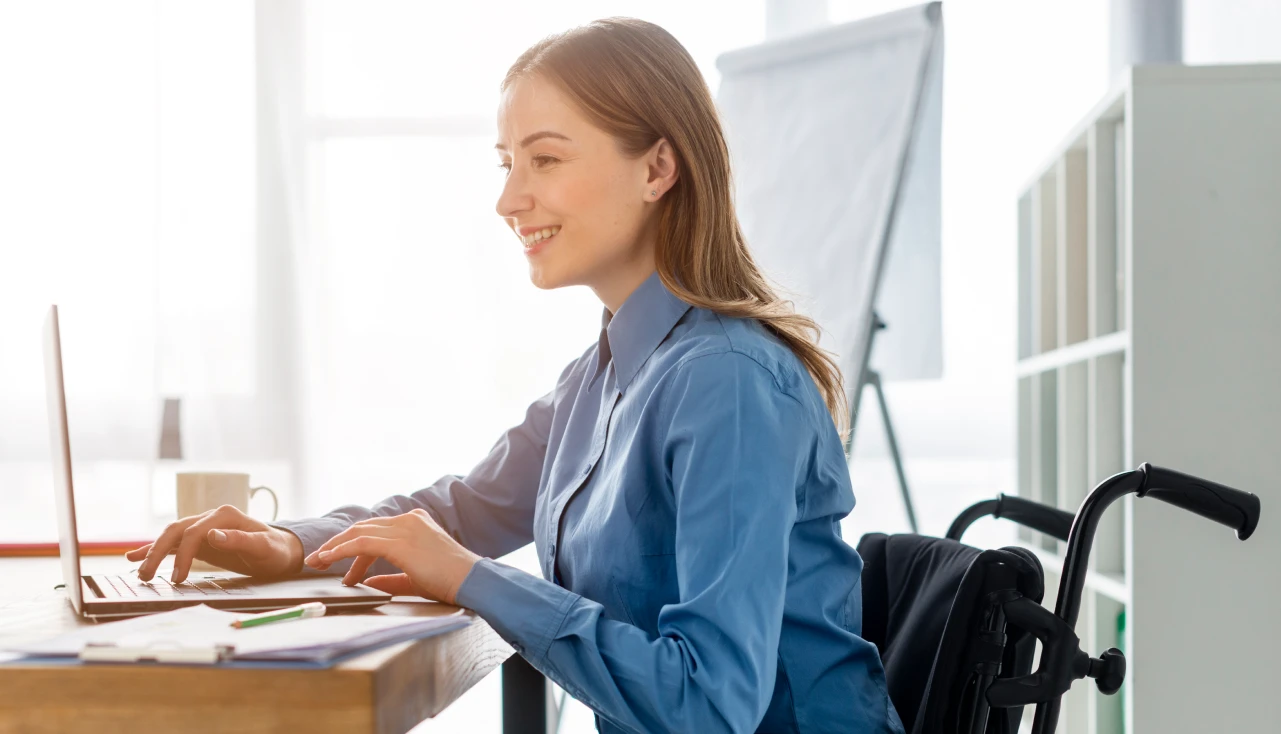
662	170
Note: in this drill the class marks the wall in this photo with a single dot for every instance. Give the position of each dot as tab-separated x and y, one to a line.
1238	31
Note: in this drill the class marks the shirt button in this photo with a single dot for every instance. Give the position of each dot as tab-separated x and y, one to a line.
587	470
551	551
519	648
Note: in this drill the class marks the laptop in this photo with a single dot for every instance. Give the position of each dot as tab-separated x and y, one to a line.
115	596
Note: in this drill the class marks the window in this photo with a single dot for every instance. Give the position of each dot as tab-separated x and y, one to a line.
129	200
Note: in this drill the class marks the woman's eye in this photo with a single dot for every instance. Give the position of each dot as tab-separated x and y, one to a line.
538	161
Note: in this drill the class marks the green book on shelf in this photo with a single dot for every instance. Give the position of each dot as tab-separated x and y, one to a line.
1120	645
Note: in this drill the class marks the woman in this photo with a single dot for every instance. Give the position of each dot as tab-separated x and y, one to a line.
685	480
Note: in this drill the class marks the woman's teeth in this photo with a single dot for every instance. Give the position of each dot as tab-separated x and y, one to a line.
539	236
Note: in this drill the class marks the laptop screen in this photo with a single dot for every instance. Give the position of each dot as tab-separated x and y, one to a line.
60	449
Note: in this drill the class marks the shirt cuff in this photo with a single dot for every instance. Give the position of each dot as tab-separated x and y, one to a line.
524	610
314	533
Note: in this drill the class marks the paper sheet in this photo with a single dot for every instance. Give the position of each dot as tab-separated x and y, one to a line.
314	639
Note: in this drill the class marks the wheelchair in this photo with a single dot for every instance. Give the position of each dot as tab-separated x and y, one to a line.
957	627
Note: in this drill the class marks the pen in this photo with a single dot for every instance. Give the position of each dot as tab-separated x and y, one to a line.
302	611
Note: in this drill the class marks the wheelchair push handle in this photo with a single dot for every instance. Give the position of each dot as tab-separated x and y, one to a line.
1049	520
1224	505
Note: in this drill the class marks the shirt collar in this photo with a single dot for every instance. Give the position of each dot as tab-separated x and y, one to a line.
640	325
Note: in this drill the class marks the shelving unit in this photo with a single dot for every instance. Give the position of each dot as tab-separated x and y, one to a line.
1149	329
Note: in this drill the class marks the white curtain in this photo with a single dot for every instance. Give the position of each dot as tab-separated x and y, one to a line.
127	197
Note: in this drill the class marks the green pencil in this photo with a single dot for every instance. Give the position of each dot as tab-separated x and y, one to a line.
302	611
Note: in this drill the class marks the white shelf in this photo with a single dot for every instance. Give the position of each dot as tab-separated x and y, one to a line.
1079	352
1149	298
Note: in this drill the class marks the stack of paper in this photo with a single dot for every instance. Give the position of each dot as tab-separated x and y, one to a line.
316	640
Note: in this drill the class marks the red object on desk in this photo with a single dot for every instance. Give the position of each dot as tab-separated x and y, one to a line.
97	548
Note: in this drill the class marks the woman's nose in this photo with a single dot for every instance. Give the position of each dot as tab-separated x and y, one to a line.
513	199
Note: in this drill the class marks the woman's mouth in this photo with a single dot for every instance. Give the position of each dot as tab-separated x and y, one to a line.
535	240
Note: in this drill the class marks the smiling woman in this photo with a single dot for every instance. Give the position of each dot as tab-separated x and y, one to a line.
683	481
618	179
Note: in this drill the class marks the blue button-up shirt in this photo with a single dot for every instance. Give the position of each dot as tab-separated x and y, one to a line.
684	486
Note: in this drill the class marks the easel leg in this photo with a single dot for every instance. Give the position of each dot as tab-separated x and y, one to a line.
874	379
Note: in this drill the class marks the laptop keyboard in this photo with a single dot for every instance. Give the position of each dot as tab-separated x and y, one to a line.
160	587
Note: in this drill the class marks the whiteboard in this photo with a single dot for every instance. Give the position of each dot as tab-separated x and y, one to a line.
834	138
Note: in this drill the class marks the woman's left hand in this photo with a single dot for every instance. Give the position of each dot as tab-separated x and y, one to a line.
434	564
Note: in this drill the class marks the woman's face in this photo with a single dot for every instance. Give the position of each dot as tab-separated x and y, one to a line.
583	211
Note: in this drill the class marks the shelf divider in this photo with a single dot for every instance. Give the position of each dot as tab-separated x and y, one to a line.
1045	321
1050	361
1026	287
1111	585
1121	199
1073	461
1106	453
1102	230
1026	448
1071	188
1047	448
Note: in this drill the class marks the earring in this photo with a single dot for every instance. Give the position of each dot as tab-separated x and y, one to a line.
653	193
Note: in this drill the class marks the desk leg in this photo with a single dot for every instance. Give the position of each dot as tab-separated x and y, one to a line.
526	707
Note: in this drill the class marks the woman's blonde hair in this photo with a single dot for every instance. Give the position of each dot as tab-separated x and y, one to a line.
635	81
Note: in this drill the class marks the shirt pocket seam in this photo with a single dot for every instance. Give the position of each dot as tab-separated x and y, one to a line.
618	598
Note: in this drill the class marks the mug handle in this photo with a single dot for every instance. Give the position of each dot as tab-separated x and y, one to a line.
275	503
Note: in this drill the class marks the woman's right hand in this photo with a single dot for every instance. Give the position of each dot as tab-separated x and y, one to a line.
225	537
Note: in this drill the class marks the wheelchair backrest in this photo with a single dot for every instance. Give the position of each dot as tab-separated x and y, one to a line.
924	601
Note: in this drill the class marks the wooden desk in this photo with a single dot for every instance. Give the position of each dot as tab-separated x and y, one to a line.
388	691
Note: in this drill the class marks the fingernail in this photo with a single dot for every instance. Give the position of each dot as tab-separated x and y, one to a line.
324	555
219	536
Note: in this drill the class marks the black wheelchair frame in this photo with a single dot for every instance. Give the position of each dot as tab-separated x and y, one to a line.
1063	662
